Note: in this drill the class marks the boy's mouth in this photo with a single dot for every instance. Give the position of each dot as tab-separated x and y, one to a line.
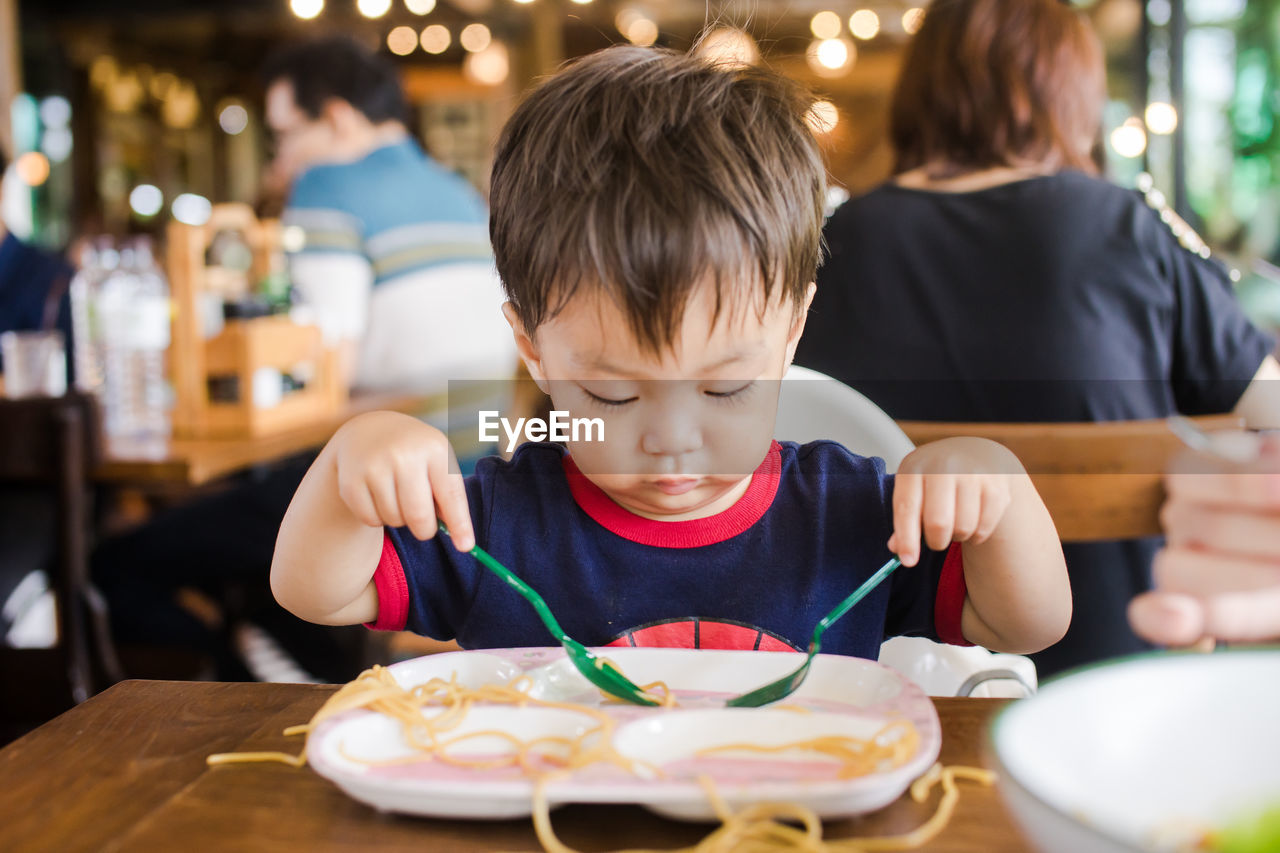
676	485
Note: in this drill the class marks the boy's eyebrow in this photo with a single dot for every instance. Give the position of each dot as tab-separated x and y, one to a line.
741	354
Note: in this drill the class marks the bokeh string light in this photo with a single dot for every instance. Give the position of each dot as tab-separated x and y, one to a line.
474	38
864	24
373	8
436	39
402	41
306	9
825	25
823	117
912	19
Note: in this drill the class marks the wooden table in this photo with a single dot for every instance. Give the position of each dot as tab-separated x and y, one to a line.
126	771
194	462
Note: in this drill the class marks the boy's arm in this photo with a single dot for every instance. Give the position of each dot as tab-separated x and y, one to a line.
325	557
1019	598
976	492
380	469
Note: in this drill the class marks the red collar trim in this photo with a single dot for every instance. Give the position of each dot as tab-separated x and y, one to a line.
694	533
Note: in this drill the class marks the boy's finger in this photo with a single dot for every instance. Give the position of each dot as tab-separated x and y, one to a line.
450	495
993	507
908	492
939	510
382	487
355	494
413	491
968	508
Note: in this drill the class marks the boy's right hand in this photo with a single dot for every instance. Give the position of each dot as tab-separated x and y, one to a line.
393	470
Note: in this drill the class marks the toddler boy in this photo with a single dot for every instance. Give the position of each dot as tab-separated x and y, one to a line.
656	223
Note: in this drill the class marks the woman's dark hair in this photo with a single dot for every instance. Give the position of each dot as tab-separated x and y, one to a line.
989	83
338	67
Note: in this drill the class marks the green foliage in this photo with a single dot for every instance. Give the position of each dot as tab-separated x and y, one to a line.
1255	108
1258	833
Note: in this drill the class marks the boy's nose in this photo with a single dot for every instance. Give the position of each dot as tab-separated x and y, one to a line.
672	436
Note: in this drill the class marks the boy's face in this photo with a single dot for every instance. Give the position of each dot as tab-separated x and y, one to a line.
684	429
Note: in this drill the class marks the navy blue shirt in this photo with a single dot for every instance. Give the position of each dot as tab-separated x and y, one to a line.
1059	298
812	525
33	290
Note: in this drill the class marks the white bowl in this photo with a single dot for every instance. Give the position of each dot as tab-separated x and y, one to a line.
1130	755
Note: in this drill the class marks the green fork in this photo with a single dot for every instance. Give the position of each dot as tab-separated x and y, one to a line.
788	684
593	668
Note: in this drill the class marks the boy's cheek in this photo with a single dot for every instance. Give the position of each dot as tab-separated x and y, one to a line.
742	446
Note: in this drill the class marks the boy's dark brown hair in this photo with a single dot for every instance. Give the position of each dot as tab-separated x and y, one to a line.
988	83
639	172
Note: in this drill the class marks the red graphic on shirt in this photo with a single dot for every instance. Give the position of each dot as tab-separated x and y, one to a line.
702	634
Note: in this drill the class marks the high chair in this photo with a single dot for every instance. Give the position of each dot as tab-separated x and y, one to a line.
812	406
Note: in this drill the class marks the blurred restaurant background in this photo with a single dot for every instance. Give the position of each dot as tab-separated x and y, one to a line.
123	115
128	119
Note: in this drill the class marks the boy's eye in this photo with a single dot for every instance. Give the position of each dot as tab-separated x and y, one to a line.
725	395
605	401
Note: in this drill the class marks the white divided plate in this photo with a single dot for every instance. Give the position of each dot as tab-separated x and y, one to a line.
845	696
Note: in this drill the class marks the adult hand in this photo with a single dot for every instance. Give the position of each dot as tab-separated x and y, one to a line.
1218	576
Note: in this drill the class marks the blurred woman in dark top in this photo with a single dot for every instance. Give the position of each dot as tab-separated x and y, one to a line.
997	278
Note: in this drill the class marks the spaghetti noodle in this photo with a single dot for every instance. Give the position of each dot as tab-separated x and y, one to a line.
657	691
760	828
858	756
377	690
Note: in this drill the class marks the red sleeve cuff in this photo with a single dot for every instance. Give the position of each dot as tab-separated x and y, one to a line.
393	590
948	605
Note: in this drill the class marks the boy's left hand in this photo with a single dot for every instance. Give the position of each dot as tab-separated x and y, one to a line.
954	490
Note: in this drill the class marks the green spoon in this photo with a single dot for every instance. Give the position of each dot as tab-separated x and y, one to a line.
593	668
785	686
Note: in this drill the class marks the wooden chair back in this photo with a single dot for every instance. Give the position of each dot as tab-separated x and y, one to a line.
1100	481
52	444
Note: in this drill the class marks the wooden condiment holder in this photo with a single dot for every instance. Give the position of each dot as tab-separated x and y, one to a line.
243	347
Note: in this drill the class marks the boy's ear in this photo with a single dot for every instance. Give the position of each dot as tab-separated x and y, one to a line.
526	348
797	328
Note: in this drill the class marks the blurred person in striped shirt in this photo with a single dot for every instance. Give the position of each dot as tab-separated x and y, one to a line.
389	248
